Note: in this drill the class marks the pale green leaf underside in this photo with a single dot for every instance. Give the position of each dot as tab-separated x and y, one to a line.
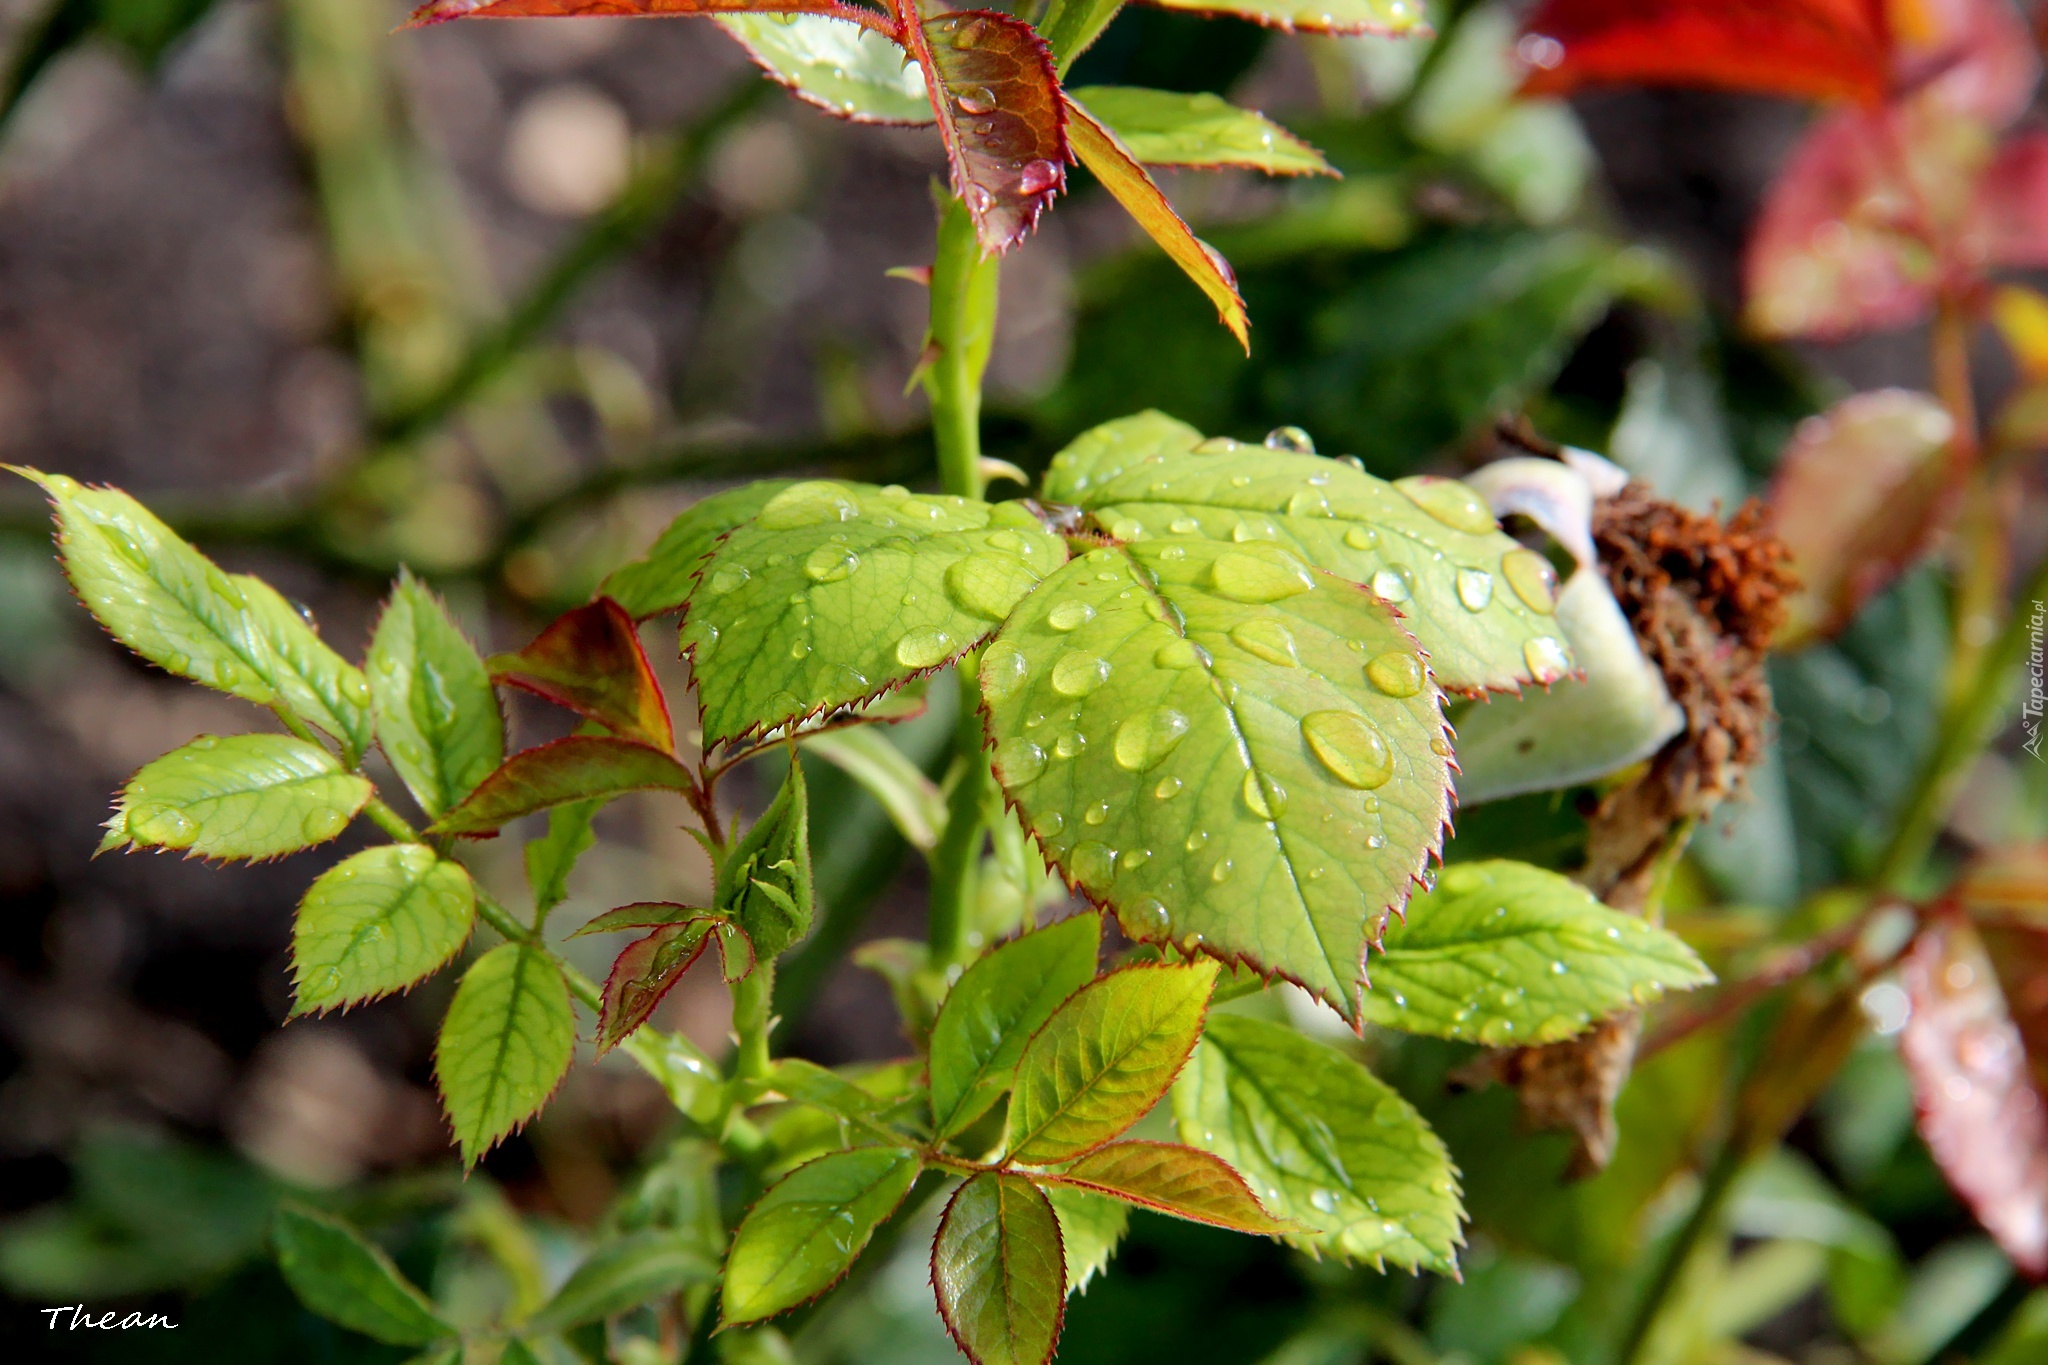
1486	621
238	796
1508	954
998	1271
167	602
1091	1225
835	592
505	1044
661	579
851	71
808	1229
1168	128
437	715
1137	741
993	1010
376	923
1322	1141
341	1276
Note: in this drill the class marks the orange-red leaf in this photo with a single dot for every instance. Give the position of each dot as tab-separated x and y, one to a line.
1183	1181
580	768
590	661
2007	886
1980	1109
2010	221
1142	198
441	11
1808	49
643	974
992	86
1856	498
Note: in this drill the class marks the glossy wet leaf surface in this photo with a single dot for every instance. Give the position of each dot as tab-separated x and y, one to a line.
1185	1182
1104	1058
170	604
999	1272
590	661
661	580
999	112
505	1044
1323	1142
437	715
1385	17
377	922
1191	729
1168	128
836	592
1508	954
237	796
993	1010
580	768
807	1230
1428	546
344	1277
1118	168
841	67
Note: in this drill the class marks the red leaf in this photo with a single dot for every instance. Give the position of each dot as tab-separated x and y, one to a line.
590	661
1142	198
2010	223
1857	497
579	768
643	974
1182	1181
1972	57
1980	1111
1806	49
441	11
992	86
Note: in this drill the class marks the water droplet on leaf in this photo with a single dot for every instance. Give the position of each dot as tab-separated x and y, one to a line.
989	584
1078	674
1475	588
1396	673
1259	579
1069	615
1019	760
1449	501
807	504
1392	584
1546	659
1143	739
1532	578
1350	747
830	564
924	648
1292	439
1264	795
1003	670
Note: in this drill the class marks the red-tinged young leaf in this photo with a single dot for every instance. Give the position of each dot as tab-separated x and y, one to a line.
590	661
1120	174
1857	498
1970	57
999	1270
2009	225
1183	1181
643	974
1805	49
735	950
579	768
441	11
1979	1109
1388	18
992	86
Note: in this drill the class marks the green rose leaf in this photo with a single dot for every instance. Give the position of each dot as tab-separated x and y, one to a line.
1480	604
764	884
552	857
579	768
999	1271
1504	953
1322	1142
663	578
624	1273
993	1010
237	796
810	1227
834	593
1229	749
377	922
842	68
1181	1181
1104	1059
437	717
1168	128
505	1044
170	604
1090	1228
343	1277
590	661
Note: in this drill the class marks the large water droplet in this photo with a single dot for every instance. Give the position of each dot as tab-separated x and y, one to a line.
1264	794
1259	579
1396	673
926	647
1475	588
321	825
830	563
1546	659
1253	528
727	578
1003	670
799	649
1325	1201
989	584
807	504
1267	639
1449	501
1361	537
1532	578
1094	865
1078	674
1019	760
1218	445
1037	177
1219	871
1142	740
1049	824
1196	839
1166	788
1069	615
1180	654
1308	502
1290	439
1393	584
1350	746
1145	918
976	100
159	825
1070	743
1183	526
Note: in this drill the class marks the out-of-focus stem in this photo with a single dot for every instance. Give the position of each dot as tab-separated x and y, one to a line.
957	858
